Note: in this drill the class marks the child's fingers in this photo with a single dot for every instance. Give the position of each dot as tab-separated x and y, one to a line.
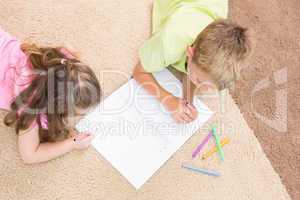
182	118
187	110
194	114
88	139
187	114
186	118
82	136
191	114
192	107
193	111
86	133
178	119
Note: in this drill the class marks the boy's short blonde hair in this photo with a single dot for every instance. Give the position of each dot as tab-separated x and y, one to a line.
220	49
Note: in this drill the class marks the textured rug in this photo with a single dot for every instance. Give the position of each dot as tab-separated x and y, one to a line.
108	35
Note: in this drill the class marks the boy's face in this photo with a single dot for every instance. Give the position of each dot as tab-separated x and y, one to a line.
201	79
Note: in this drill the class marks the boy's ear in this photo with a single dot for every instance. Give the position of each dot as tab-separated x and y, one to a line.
190	51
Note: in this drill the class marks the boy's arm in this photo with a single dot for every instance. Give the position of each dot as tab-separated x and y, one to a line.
181	111
150	84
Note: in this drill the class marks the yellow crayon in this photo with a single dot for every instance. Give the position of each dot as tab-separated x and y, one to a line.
214	149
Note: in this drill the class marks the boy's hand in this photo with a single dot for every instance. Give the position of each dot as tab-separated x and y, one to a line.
181	110
82	140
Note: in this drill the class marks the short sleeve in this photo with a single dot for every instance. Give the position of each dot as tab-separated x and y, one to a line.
10	50
152	54
15	71
218	7
165	47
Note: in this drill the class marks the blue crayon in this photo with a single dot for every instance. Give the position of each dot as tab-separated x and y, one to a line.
201	170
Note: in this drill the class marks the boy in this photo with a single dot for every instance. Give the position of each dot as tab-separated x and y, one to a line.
191	36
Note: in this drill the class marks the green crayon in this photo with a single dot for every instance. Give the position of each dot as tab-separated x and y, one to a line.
218	143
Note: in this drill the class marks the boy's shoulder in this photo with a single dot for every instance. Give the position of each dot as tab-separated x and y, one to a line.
176	24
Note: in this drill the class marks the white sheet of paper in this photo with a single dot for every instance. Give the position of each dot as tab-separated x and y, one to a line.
134	132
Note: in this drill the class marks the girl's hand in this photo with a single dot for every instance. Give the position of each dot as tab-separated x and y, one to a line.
70	51
82	140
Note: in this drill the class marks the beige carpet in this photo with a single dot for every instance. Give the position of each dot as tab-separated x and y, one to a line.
108	33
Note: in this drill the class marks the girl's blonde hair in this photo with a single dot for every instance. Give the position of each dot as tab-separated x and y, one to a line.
220	50
60	85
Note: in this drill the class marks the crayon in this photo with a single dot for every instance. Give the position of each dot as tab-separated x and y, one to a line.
201	170
217	140
201	145
214	149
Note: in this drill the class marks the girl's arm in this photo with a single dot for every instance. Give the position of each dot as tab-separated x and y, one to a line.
32	151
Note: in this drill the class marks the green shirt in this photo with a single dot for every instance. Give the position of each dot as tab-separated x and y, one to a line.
175	26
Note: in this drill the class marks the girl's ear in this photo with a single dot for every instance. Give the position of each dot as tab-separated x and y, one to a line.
190	51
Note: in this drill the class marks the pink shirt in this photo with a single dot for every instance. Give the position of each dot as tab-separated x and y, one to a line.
15	72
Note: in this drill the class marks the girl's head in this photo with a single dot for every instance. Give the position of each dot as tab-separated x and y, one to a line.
62	89
217	54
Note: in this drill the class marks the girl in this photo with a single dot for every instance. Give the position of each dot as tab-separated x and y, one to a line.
46	90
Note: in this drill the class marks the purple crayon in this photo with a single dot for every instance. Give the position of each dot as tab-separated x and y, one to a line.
200	146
